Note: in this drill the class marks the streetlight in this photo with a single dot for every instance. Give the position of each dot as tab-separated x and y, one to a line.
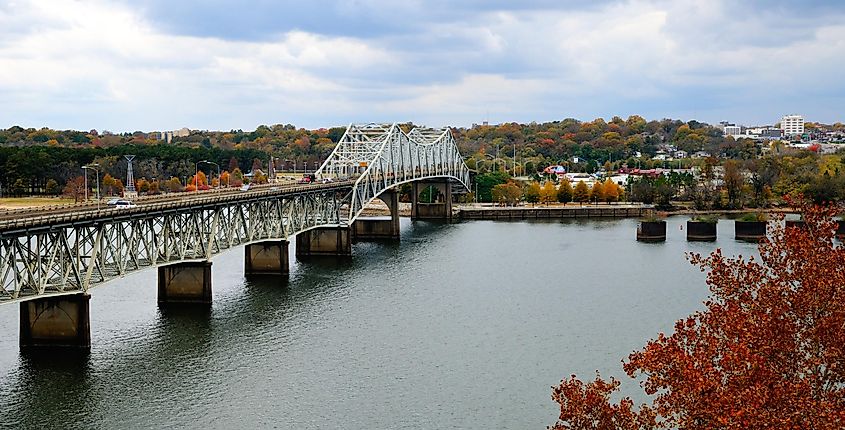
94	168
218	171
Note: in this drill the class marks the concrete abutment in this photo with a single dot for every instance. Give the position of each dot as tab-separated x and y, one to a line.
365	228
188	282
324	241
58	321
267	258
439	208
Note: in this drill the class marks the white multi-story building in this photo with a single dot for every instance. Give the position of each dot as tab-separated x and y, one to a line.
730	129
792	125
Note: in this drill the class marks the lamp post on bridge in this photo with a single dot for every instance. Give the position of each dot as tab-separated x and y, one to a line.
94	168
218	171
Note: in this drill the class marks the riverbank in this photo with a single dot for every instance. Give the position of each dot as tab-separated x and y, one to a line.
728	213
484	212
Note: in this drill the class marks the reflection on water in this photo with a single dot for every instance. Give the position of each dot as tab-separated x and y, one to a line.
456	325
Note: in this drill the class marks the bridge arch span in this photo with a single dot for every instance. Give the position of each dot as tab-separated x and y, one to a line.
380	157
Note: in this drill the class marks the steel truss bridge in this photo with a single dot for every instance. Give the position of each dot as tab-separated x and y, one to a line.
71	252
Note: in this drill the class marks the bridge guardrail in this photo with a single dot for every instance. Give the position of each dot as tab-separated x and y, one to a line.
93	214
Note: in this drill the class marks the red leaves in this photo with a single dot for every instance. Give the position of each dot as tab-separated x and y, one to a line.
767	352
588	406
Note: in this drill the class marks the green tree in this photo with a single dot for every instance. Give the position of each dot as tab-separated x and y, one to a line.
18	188
52	188
485	183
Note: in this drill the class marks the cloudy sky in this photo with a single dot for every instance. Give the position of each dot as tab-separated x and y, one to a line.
220	64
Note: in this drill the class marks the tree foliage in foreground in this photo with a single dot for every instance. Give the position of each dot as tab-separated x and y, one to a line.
766	352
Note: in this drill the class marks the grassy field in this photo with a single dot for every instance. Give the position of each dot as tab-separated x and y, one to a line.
32	202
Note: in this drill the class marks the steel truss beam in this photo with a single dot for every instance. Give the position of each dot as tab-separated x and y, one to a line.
380	157
74	259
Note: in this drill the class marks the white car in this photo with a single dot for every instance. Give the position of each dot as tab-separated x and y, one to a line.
122	204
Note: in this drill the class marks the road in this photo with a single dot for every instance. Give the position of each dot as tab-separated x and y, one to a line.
16	218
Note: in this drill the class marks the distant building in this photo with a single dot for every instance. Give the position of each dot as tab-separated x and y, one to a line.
763	133
792	125
168	136
730	129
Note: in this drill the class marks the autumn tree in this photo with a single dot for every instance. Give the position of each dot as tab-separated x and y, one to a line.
531	194
75	188
564	191
581	193
154	188
611	190
142	185
237	178
225	178
507	193
765	352
597	192
259	177
118	186
199	180
109	185
548	193
733	183
174	185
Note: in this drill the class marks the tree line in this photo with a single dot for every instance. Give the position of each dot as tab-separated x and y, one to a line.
738	174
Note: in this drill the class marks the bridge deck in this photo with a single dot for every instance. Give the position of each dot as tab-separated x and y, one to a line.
14	222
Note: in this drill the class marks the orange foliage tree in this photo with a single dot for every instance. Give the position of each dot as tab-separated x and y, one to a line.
768	350
75	188
200	180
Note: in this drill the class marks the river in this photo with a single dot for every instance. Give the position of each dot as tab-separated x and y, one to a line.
463	325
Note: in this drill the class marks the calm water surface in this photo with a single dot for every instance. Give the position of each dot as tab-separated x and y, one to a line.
457	326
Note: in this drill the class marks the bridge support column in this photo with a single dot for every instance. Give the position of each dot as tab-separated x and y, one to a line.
56	321
433	208
266	258
332	241
380	228
188	282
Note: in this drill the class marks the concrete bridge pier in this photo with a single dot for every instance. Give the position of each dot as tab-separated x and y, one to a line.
434	208
379	228
58	321
188	282
324	241
267	258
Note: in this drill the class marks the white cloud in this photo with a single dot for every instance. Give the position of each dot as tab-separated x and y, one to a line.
92	64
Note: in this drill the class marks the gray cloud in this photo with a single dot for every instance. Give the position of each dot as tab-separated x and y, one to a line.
227	65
